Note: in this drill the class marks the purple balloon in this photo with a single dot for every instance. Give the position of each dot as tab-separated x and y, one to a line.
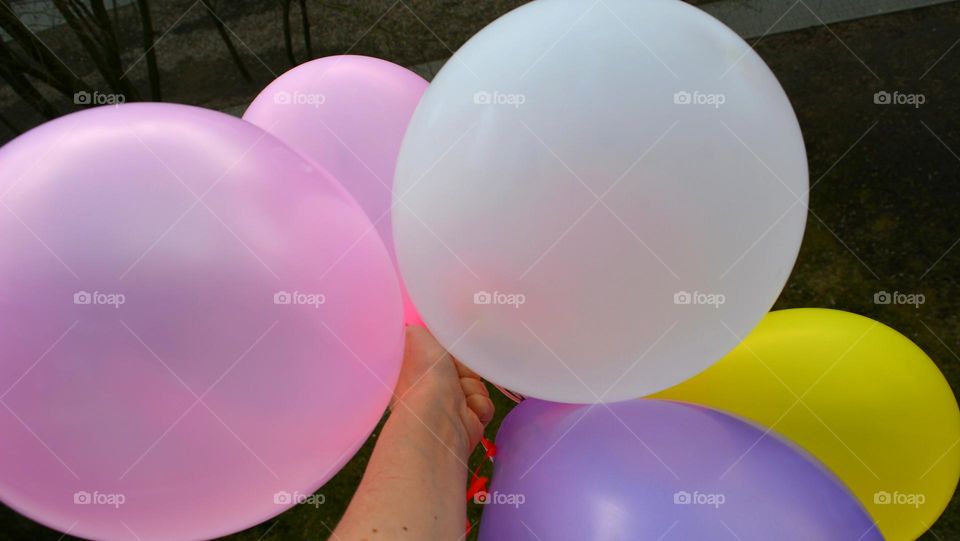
655	469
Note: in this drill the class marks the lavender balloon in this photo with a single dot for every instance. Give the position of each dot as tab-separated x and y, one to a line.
195	330
653	469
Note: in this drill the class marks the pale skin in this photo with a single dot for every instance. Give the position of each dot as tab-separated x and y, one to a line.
415	483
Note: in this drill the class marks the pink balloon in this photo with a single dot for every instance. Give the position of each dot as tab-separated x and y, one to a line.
349	114
195	333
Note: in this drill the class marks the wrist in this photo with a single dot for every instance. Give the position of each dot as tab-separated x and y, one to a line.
432	423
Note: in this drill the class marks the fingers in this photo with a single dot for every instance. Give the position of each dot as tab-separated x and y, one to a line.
477	397
423	353
473	386
476	393
472	425
482	406
464	371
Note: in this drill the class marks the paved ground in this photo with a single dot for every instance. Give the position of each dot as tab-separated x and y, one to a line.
883	215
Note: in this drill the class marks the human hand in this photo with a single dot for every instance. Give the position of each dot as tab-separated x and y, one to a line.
442	393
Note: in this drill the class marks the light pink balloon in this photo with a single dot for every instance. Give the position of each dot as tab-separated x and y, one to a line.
349	114
194	330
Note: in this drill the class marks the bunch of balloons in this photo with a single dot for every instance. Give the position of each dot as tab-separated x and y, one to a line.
593	202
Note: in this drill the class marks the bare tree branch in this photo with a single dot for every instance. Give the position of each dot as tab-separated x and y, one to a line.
146	24
287	37
36	59
225	36
92	27
305	21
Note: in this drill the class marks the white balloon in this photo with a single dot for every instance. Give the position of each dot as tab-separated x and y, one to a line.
598	200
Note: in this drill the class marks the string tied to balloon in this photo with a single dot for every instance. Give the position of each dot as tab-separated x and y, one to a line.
478	483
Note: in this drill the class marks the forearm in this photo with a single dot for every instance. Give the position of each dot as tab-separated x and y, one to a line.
415	482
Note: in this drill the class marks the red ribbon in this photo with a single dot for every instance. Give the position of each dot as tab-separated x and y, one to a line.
478	483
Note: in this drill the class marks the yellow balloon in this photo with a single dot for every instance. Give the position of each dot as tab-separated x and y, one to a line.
856	394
